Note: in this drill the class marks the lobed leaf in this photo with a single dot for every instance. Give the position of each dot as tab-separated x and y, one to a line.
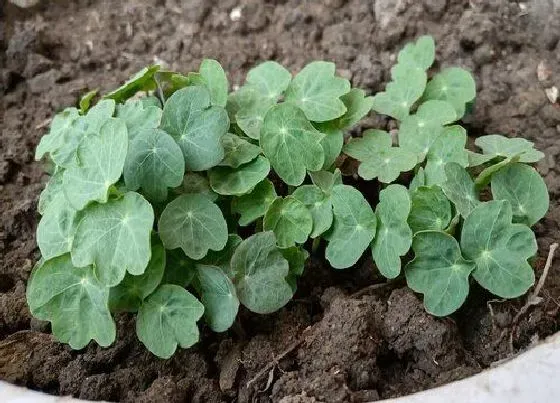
290	221
241	180
270	79
73	300
422	53
353	228
394	236
193	223
51	190
317	91
453	85
495	145
439	272
254	205
115	238
431	210
55	232
167	318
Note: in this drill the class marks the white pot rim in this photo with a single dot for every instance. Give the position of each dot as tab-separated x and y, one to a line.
531	376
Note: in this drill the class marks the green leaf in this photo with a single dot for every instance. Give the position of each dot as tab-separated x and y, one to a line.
179	269
332	144
290	221
255	204
85	101
492	242
296	257
219	297
195	183
238	151
215	80
421	53
394	236
319	205
222	258
193	223
150	100
487	173
495	145
73	300
459	188
167	318
101	165
524	189
357	107
326	180
476	159
448	147
378	159
418	180
317	91
439	272
454	85
418	132
197	127
247	107
129	294
115	238
154	163
141	81
430	209
241	180
291	143
270	79
260	274
353	228
402	93
51	190
55	232
60	130
139	117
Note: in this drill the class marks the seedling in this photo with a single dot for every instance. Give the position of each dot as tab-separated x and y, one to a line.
151	185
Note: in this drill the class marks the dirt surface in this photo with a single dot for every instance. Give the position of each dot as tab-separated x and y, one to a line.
334	346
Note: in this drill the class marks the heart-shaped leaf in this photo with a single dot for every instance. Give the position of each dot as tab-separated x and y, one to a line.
454	85
115	238
154	163
255	204
317	91
101	165
260	273
270	79
59	131
353	227
378	159
196	126
241	180
290	221
73	300
394	236
448	147
460	189
495	145
291	143
491	240
421	53
431	210
193	223
167	318
439	272
524	189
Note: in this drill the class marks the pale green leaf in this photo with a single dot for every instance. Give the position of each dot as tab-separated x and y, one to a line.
326	180
193	223
115	238
197	127
247	108
421	53
101	161
291	143
140	81
58	133
55	232
255	204
241	180
495	145
167	318
317	91
296	257
491	240
52	189
525	190
129	294
270	79
418	180
394	236
439	272
487	173
454	85
260	274
238	151
73	300
154	163
353	229
219	297
357	105
215	80
319	205
448	147
290	221
332	144
459	188
138	117
431	210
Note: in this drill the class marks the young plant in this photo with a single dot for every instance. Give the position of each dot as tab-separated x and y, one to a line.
151	186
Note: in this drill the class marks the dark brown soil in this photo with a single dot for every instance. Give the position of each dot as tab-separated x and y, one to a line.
340	347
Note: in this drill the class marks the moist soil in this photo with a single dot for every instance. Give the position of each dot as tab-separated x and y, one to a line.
337	341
